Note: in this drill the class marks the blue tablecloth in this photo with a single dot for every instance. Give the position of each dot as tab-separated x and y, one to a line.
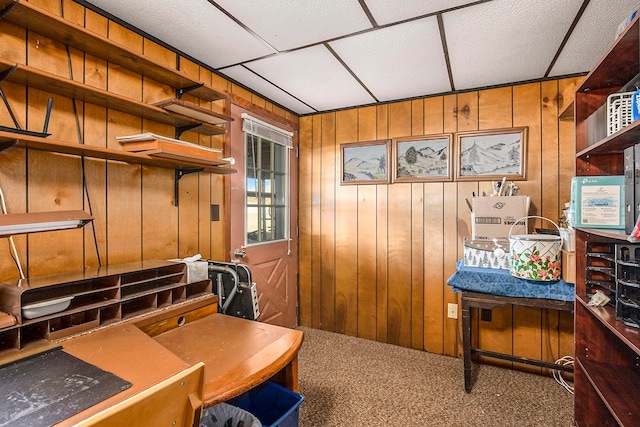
501	282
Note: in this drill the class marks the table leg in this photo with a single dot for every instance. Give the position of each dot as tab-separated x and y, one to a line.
466	344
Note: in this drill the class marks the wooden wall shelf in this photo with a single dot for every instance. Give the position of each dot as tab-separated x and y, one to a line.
8	139
33	18
32	77
193	111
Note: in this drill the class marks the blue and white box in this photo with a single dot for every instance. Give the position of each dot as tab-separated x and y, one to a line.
635	106
598	201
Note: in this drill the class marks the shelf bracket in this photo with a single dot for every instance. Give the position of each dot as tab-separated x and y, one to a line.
179	174
7	9
182	129
183	90
17	128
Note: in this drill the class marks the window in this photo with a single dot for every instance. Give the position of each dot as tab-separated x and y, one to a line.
267	189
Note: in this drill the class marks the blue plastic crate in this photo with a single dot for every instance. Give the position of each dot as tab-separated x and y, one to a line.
272	404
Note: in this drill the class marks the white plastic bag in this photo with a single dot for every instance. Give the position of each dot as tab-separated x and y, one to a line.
225	415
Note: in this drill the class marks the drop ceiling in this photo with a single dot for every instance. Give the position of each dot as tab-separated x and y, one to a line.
312	56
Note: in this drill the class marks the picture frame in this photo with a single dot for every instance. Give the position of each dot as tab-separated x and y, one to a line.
423	158
365	162
492	154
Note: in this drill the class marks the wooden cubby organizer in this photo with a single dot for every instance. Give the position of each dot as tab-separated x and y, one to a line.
189	118
100	297
607	352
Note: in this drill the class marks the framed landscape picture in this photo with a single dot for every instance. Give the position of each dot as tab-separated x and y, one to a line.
365	162
422	158
491	154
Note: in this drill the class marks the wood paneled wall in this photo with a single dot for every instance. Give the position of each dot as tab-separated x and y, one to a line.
374	259
135	217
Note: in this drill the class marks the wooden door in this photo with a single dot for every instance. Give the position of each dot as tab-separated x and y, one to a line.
273	264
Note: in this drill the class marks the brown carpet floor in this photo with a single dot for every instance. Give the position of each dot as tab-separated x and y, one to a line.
349	381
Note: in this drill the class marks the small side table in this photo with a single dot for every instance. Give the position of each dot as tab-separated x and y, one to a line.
480	300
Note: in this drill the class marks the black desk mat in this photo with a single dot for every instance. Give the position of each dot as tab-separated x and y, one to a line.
49	387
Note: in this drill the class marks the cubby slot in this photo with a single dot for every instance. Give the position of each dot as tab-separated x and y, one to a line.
137	290
9	339
138	306
73	324
35	332
110	314
138	276
198	288
179	294
164	299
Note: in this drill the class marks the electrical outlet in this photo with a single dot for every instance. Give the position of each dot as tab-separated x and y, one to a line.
452	312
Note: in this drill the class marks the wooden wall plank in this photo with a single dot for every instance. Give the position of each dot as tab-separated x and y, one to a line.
399	226
346	246
316	231
550	153
327	221
451	250
366	228
305	203
417	265
382	235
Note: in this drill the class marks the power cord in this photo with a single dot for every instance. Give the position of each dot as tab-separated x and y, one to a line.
557	374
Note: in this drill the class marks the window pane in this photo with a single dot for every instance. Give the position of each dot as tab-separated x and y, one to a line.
280	187
252	225
279	223
266	190
280	158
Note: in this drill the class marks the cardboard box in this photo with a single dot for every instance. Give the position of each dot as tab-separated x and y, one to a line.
598	201
492	217
568	266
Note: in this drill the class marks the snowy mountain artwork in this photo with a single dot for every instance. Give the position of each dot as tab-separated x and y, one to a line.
423	158
486	154
365	163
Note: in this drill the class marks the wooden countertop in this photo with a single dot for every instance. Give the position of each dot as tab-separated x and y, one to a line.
238	353
127	352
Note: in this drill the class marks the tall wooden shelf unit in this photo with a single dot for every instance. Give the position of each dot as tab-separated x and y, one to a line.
607	353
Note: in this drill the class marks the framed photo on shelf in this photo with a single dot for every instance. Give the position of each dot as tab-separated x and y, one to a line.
365	162
491	154
422	158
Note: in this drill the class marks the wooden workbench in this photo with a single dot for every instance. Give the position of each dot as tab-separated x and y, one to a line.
217	356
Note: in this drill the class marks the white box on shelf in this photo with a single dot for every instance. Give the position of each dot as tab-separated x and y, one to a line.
492	217
197	271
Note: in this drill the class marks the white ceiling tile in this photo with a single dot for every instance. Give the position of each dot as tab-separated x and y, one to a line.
287	24
385	11
314	76
192	26
505	41
585	47
266	89
398	62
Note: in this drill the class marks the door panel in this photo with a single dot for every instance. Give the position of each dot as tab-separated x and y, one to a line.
273	265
